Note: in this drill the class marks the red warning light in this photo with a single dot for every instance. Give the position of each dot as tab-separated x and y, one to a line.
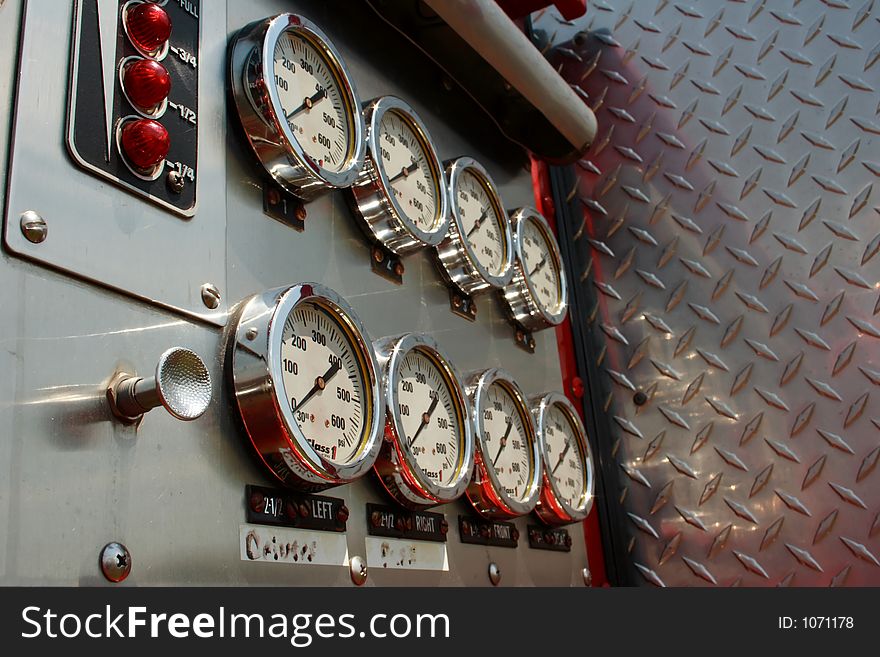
144	143
148	27
146	83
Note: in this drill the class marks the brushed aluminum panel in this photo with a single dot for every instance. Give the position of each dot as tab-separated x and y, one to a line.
114	239
173	492
731	238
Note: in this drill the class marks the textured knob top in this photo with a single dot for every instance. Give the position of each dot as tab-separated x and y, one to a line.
183	383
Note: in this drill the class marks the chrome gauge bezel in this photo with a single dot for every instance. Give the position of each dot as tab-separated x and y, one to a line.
456	257
252	66
519	294
254	355
552	507
486	493
396	466
372	197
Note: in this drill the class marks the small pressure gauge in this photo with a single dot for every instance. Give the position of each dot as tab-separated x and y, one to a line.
427	457
477	253
568	488
298	105
537	295
507	472
400	195
306	385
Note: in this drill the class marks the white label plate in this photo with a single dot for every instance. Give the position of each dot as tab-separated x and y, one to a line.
405	554
292	546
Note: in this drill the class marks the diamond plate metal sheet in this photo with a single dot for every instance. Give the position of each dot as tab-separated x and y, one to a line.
731	230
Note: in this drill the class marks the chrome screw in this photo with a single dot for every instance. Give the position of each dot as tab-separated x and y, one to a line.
358	569
115	561
588	577
210	296
33	227
494	574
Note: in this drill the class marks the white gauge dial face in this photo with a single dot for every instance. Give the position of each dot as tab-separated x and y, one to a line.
312	101
427	409
506	441
405	161
324	383
566	460
483	228
540	267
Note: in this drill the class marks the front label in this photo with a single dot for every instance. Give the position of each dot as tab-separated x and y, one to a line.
479	531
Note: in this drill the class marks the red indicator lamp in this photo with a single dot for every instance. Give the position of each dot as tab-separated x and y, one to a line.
144	143
148	27
146	83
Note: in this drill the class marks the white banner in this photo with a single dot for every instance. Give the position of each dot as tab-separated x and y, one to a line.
292	546
406	554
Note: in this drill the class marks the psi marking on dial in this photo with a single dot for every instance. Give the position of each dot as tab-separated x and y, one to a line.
323	383
540	267
566	466
483	227
426	408
311	101
506	441
409	173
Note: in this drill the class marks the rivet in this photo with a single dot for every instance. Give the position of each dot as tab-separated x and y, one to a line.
494	574
33	227
358	569
115	562
175	181
210	296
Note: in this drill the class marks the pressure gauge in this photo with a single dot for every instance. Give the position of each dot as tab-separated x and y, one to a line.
477	252
298	105
537	295
507	473
567	493
427	457
400	195
306	385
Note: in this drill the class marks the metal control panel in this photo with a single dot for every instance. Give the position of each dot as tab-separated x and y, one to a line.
98	280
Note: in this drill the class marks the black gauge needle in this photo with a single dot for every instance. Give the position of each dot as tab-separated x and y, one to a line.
478	222
538	266
404	172
308	103
320	384
503	440
561	457
426	418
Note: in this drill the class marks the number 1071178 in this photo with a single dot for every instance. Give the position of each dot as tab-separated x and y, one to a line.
816	623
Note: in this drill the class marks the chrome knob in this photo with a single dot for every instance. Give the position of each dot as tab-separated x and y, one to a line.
181	384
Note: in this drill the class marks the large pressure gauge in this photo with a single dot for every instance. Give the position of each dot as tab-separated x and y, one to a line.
298	105
428	453
537	295
507	473
477	253
567	493
306	386
400	195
